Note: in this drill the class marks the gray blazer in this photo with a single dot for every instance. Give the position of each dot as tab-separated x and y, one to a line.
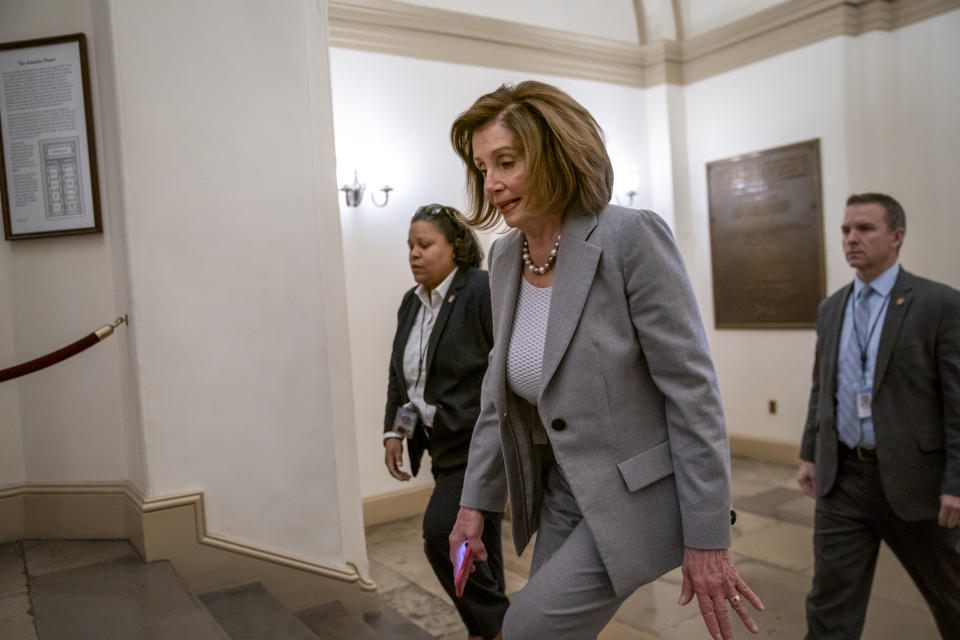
916	396
628	395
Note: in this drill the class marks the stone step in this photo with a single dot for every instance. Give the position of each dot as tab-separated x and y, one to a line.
250	612
119	601
332	621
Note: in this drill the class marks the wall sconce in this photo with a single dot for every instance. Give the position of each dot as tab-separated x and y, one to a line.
353	193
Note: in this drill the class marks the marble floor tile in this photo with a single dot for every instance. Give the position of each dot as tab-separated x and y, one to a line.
748	523
13	576
407	528
425	610
891	581
515	581
798	511
44	557
654	608
741	487
782	503
766	473
413	565
619	631
386	578
513	562
772	544
782	544
891	619
16	620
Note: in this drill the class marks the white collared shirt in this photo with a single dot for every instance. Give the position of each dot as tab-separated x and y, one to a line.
415	352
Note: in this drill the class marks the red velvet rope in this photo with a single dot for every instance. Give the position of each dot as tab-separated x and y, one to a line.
49	359
60	354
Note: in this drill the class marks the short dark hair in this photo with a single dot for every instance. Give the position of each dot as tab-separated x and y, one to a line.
449	221
562	144
895	216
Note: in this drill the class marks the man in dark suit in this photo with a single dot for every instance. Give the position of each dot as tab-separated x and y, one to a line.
881	445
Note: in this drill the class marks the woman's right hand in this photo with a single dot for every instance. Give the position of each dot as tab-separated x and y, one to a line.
393	458
468	528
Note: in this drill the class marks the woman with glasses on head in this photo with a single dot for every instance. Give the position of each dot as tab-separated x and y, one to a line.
440	351
601	414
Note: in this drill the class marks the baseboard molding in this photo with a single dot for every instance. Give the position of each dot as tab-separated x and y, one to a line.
404	503
175	529
396	505
398	28
765	450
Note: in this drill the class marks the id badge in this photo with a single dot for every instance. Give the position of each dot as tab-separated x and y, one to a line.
864	398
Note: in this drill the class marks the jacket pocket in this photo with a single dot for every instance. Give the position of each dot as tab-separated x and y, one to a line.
646	468
930	442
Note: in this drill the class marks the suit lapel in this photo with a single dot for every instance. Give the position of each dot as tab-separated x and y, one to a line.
504	284
445	308
897	307
576	267
405	325
833	325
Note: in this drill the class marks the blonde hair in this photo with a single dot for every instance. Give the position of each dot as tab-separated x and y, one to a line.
562	144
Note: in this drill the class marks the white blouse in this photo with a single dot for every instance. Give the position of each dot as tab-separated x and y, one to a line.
525	354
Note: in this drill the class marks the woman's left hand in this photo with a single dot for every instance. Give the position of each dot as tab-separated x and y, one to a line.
710	574
393	458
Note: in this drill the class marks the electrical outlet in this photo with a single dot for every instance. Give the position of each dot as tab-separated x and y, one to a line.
772	407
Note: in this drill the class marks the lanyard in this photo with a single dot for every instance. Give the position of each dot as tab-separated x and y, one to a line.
864	347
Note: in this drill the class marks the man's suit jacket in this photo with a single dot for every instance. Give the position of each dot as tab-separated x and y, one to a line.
455	362
628	396
916	396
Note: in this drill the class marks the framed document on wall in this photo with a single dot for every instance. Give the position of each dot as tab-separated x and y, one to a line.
48	182
766	238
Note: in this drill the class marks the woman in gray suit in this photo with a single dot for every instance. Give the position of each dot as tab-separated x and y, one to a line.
601	417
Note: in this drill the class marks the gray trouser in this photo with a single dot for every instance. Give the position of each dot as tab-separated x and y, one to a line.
569	595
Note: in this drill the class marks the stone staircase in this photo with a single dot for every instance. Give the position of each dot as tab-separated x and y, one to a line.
102	590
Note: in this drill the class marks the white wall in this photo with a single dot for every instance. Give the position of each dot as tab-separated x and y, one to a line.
222	242
392	119
232	228
884	108
793	97
904	96
72	420
12	465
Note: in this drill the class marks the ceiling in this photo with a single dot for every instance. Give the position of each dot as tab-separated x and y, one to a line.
633	21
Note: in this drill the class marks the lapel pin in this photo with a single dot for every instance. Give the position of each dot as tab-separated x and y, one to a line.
899	301
450	299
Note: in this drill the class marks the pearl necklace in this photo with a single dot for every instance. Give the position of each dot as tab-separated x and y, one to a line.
551	259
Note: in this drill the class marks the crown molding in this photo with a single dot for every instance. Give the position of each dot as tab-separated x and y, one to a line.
448	36
395	28
794	24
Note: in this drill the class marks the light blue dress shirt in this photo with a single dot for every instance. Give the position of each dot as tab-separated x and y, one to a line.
879	301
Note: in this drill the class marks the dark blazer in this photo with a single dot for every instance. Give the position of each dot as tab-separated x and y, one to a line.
456	361
916	396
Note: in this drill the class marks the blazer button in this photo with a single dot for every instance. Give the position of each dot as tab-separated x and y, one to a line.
558	424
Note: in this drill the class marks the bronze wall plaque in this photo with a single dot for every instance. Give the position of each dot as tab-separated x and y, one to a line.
766	238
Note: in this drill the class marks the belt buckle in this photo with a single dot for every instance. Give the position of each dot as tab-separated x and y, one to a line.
864	454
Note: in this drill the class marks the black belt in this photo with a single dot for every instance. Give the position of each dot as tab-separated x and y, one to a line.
863	454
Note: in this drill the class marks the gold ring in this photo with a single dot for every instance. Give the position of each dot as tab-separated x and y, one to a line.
735	599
